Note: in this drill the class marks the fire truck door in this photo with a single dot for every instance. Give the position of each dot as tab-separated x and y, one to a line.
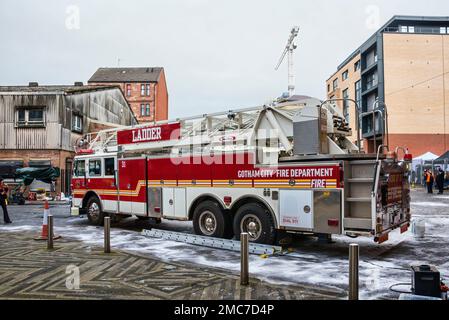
126	187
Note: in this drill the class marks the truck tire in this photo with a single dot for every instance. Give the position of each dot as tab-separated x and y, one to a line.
210	220
94	213
256	220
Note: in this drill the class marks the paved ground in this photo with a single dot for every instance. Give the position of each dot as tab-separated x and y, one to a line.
315	270
29	271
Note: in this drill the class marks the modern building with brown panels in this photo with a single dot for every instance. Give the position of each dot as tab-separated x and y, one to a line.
402	70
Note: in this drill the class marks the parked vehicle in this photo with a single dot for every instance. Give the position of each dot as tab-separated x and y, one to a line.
287	168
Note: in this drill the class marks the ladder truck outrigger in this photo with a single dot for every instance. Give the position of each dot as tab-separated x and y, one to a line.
286	167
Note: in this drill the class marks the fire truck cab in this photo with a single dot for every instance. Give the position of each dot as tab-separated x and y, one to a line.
287	167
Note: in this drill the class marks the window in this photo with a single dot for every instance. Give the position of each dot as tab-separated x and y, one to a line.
403	29
346	105
443	30
357	66
411	29
371	80
335	84
39	163
79	168
30	116
358	93
109	166
148	89
145	110
345	75
142	90
128	90
77	123
94	168
328	88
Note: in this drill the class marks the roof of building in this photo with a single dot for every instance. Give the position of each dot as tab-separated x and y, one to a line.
52	89
394	22
146	74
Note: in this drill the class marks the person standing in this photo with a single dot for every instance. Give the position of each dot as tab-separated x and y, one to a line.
440	181
3	197
432	182
424	178
429	181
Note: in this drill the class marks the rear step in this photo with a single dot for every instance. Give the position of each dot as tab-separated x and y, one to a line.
360	180
359	199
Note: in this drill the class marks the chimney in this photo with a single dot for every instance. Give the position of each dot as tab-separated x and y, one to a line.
33	84
78	84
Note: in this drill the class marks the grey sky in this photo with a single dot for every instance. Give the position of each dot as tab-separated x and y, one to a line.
217	54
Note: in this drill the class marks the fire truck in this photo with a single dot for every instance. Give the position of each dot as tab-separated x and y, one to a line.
280	168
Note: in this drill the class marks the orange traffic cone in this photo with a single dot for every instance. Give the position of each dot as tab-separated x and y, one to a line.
44	233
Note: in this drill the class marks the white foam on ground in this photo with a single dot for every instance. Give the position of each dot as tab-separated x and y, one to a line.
326	267
431	204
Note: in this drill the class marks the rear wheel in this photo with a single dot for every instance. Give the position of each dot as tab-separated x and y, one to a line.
210	220
256	220
94	213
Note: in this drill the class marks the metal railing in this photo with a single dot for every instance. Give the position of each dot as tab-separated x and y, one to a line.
384	118
357	115
425	30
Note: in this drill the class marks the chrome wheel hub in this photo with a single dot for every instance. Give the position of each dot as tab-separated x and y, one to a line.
94	210
208	224
251	224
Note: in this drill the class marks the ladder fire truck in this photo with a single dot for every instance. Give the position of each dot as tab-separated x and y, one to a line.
286	167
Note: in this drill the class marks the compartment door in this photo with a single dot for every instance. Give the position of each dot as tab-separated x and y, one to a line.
180	203
168	202
296	209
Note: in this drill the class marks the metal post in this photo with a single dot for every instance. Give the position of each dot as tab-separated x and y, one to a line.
107	235
353	272
50	232
244	257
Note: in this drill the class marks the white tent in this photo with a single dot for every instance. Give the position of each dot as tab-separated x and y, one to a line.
428	156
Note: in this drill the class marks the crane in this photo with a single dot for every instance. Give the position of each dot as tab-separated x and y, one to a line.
289	49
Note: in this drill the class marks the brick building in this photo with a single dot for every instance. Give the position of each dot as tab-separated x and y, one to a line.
145	89
404	65
40	125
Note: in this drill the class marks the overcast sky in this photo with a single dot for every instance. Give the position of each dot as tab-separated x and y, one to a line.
217	54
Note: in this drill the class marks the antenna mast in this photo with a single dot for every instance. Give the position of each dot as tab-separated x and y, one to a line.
289	50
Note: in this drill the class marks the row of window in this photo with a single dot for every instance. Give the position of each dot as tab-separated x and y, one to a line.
95	167
145	89
413	29
344	76
35	117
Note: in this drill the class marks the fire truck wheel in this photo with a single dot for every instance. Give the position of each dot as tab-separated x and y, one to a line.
257	221
209	220
94	213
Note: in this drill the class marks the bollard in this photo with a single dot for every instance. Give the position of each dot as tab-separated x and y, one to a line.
353	272
244	257
107	235
50	232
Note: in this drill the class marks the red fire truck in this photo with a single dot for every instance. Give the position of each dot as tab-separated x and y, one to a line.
284	168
